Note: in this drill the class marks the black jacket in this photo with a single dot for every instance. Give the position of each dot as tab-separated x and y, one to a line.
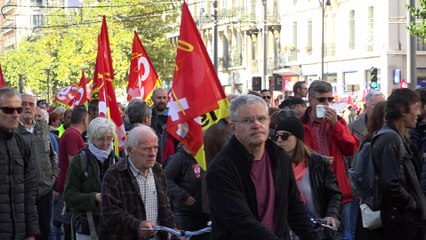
18	188
233	200
184	180
399	182
325	191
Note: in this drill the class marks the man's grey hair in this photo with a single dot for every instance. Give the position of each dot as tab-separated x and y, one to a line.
137	110
371	94
27	95
98	127
44	114
320	87
244	100
59	110
132	139
8	92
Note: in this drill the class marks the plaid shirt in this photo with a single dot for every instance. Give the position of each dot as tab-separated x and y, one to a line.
123	209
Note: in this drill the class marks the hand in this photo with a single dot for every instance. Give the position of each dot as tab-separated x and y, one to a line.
190	201
330	159
414	205
30	238
56	196
331	116
146	233
331	221
98	197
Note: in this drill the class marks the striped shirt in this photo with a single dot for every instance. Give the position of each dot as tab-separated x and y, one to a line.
148	192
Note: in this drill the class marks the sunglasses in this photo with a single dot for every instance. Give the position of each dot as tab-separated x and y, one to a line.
11	110
323	99
266	97
283	135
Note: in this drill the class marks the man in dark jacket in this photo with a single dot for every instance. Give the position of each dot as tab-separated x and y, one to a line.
18	184
134	191
252	189
403	207
37	135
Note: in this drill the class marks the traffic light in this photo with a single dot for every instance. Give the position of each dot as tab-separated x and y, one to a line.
373	80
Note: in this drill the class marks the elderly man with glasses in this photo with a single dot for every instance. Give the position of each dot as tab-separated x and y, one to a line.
327	134
251	187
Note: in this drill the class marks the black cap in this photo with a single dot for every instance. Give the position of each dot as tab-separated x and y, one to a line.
292	125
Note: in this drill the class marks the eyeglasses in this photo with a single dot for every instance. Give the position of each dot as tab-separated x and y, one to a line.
250	121
103	139
11	110
266	97
323	99
283	135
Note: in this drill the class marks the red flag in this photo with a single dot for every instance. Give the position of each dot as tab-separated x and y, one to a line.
81	96
2	81
142	76
104	77
403	84
194	77
67	95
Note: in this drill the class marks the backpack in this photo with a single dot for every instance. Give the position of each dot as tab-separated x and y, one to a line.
365	177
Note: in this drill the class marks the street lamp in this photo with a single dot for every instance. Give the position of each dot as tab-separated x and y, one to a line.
323	5
48	83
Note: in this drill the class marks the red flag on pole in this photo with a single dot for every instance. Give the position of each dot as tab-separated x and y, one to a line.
66	95
81	96
194	77
142	76
2	81
403	84
104	77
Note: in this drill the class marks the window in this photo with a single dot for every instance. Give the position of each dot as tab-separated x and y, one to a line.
309	43
421	46
38	20
253	49
370	39
352	29
295	35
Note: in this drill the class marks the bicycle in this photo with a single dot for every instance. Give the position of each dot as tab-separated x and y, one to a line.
180	233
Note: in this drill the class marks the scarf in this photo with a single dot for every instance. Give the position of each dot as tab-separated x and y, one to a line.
299	172
101	155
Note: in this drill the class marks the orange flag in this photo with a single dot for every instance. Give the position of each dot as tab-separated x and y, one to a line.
194	76
2	81
104	77
142	76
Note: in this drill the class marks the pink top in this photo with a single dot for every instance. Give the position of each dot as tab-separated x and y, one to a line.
261	175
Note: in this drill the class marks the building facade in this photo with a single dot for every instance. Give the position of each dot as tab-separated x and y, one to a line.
358	35
24	18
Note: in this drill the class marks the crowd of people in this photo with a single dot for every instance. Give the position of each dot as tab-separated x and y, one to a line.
272	173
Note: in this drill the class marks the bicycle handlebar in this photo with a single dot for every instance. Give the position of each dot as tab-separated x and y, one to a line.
179	233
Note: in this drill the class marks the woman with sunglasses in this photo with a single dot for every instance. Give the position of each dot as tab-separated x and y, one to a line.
315	179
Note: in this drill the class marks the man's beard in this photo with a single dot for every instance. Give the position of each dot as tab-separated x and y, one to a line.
160	107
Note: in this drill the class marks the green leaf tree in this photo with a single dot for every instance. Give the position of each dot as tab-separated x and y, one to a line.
418	27
67	43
